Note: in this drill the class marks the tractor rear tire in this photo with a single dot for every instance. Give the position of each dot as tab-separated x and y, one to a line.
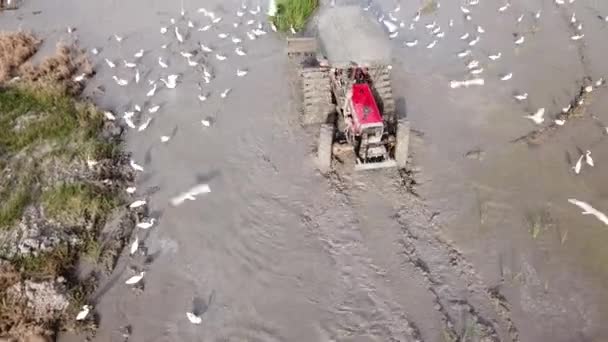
316	93
324	150
403	143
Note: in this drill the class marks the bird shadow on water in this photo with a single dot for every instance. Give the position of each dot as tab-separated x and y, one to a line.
207	177
200	306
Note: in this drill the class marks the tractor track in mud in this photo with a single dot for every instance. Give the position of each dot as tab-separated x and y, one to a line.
481	310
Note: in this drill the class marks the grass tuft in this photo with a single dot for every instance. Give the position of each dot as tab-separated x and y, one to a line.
293	13
74	203
15	199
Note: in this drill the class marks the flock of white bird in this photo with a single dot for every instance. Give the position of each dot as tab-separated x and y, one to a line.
183	28
470	39
474	67
180	31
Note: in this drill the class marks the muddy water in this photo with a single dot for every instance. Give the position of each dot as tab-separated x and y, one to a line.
553	272
279	253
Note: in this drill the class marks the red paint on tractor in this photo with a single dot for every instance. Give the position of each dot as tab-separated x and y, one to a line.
364	105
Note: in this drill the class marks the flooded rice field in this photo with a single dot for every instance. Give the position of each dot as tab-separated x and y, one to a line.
485	247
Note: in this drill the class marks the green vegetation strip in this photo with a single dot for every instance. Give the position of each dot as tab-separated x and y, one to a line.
293	13
46	136
40	123
71	203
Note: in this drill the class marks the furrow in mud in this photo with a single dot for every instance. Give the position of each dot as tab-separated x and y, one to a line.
465	304
445	274
366	308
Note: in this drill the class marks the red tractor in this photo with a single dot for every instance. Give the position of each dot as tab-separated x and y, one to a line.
346	89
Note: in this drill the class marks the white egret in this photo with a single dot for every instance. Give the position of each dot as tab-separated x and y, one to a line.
110	63
588	158
178	35
589	210
171	81
194	319
144	125
135	279
521	97
162	63
191	62
84	312
136	166
220	57
506	77
151	91
579	163
205	48
225	93
109	115
204	28
129	64
411	43
79	77
464	53
129	122
239	51
146	225
121	82
495	56
154	109
520	40
131	190
432	44
537	117
137	204
134	246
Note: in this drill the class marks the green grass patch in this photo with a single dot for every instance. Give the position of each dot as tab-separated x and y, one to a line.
51	264
30	116
429	6
71	203
17	182
293	13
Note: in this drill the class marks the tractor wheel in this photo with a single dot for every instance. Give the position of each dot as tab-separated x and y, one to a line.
326	139
316	92
403	142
